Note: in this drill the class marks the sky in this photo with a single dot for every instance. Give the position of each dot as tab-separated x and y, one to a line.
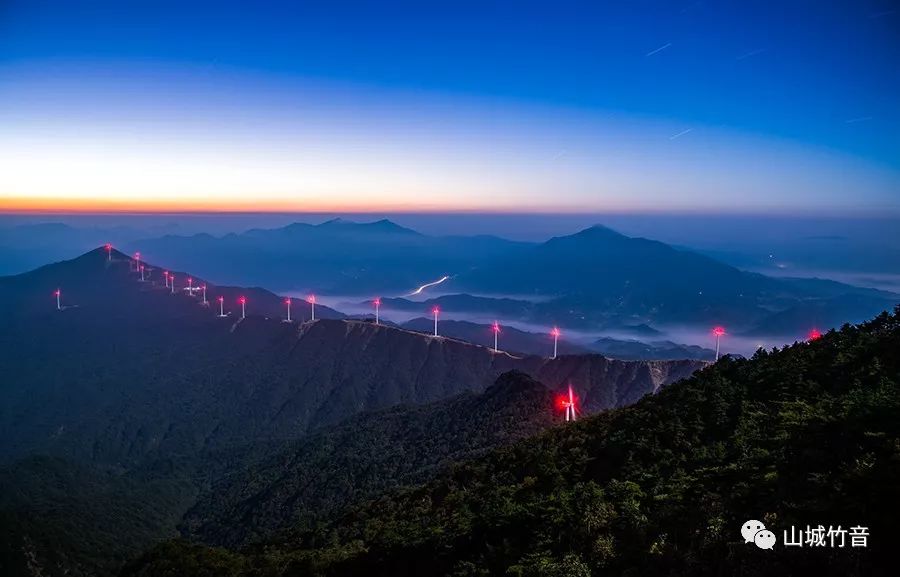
700	107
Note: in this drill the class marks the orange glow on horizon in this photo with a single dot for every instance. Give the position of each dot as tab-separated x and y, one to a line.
80	205
106	205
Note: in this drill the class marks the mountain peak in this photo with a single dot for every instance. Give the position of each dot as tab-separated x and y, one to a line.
383	225
599	231
592	234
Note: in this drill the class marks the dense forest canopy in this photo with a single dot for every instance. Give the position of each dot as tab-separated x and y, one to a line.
806	435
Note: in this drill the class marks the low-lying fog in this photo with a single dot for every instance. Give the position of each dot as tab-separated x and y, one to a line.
699	336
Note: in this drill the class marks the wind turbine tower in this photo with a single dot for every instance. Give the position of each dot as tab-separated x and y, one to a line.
496	329
172	278
718	331
204	303
243	301
287	301
377	303
58	295
142	274
555	334
222	308
311	299
166	274
108	248
436	311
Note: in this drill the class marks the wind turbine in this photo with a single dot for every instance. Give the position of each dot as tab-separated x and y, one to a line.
142	274
108	248
137	260
377	303
287	301
172	277
58	295
568	402
311	299
496	328
190	286
204	303
166	274
555	334
436	311
243	301
718	331
222	307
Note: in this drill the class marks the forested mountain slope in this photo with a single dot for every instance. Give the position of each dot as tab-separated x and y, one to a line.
806	435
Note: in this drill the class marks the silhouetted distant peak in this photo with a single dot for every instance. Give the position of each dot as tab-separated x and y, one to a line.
383	225
591	235
336	222
599	231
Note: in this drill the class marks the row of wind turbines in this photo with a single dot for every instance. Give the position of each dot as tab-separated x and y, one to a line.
567	401
137	265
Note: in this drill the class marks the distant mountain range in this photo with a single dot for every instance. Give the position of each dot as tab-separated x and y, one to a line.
595	280
636	350
337	256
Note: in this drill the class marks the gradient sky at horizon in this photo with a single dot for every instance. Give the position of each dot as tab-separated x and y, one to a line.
728	106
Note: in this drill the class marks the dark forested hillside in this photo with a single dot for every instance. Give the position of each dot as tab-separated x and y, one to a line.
117	410
319	475
128	370
806	435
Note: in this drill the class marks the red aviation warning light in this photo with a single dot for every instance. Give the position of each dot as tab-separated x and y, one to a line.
814	335
719	332
568	402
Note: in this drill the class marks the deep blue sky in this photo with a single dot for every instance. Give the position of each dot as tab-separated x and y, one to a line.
819	80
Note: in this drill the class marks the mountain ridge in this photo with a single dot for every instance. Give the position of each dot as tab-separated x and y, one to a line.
794	437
